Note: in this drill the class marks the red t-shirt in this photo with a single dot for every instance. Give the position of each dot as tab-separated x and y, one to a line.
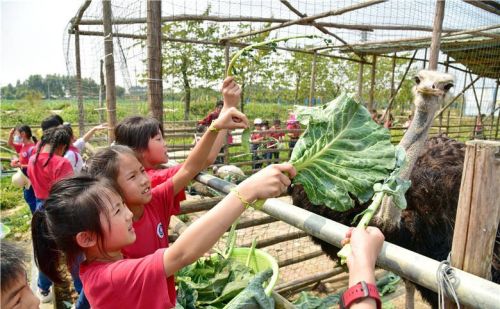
25	151
43	177
159	176
151	229
293	126
128	283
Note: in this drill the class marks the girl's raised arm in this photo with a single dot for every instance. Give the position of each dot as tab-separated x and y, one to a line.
231	92
204	232
195	163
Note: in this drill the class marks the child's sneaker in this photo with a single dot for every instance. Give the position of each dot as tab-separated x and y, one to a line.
44	296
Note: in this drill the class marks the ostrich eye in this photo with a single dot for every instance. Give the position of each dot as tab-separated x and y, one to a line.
417	80
448	87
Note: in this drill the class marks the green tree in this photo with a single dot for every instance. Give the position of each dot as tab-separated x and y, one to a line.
8	92
190	64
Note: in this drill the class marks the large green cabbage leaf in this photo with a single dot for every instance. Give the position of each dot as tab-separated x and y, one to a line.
342	152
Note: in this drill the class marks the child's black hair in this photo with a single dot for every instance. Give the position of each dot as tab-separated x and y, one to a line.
27	130
106	163
136	131
51	122
219	103
12	264
74	205
55	137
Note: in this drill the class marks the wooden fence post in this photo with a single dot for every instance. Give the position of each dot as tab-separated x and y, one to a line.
478	212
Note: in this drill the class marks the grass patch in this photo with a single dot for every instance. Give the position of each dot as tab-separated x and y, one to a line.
19	222
10	196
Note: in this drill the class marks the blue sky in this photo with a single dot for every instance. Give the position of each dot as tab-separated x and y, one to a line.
32	37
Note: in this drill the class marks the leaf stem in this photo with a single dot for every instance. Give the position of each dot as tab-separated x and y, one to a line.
363	223
252	46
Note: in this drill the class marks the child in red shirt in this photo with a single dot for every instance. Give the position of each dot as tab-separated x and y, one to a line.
276	138
45	168
153	207
23	142
48	164
104	226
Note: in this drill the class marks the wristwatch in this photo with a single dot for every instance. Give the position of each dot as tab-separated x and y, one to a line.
358	292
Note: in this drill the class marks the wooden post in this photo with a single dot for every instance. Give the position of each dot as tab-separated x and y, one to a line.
155	84
360	83
313	80
478	210
436	34
102	91
79	94
372	83
441	115
109	61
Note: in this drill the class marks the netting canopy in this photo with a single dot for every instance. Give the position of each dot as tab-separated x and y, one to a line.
349	33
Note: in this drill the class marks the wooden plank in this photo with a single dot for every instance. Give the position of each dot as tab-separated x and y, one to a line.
478	210
155	82
436	34
109	62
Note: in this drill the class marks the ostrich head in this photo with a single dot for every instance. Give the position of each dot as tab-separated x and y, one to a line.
430	91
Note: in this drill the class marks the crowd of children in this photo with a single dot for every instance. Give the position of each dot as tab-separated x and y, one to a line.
109	224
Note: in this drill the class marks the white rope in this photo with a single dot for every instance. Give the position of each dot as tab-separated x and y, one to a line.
446	280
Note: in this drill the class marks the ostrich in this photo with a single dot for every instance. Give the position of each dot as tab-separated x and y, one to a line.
435	170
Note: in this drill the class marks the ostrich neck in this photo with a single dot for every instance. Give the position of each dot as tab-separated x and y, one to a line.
414	139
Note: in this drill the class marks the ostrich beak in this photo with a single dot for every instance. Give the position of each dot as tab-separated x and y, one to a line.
430	91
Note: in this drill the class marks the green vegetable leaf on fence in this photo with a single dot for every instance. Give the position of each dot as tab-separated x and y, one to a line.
342	152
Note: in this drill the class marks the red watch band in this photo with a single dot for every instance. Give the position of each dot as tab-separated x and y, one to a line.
359	291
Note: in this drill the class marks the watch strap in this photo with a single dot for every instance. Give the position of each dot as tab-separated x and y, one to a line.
360	291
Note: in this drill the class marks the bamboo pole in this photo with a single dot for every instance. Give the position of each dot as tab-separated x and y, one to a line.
493	104
372	83
188	17
393	69
276	240
313	80
243	224
483	6
420	39
102	90
306	19
155	84
192	206
79	94
236	44
302	282
109	61
436	34
456	97
320	28
300	258
391	101
360	83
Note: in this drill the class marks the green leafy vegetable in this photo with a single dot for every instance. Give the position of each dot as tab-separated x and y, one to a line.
253	296
308	301
341	153
392	186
